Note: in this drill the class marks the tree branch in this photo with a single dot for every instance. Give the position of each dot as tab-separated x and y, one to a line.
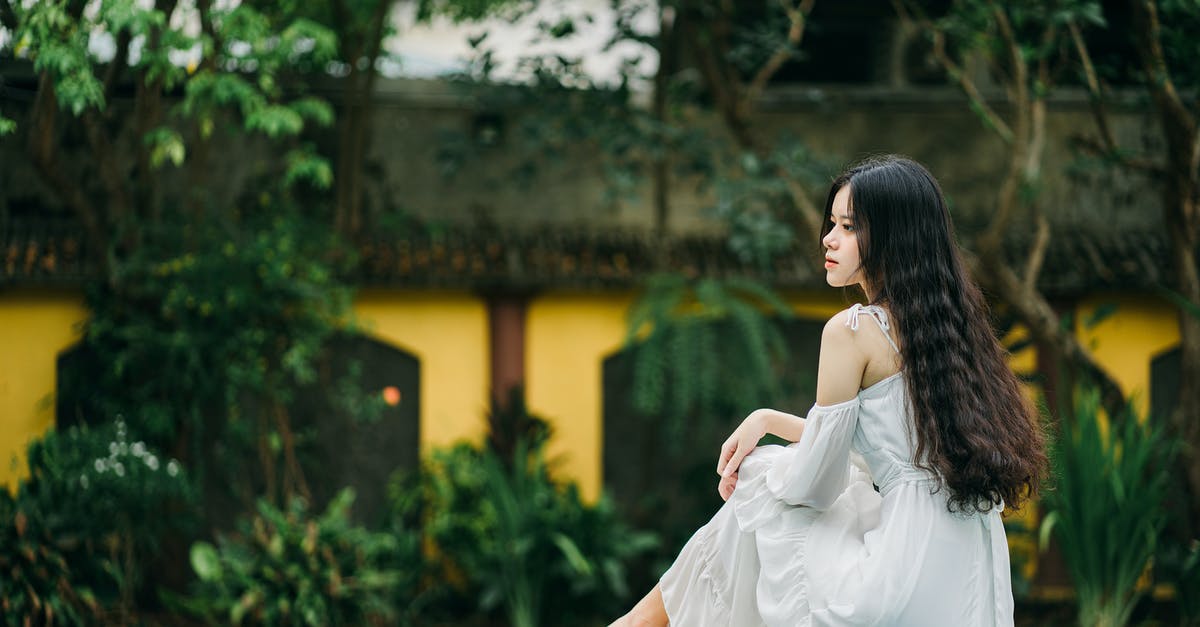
107	163
1023	157
118	63
204	7
723	88
1043	323
661	172
1180	126
1095	96
978	102
809	212
43	149
1037	255
798	17
356	116
1019	84
1140	164
147	109
1037	107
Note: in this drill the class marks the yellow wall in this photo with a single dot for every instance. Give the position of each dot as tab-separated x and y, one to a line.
448	334
35	326
1124	343
820	304
567	338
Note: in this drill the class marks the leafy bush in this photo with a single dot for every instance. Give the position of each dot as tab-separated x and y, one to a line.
511	538
1107	507
35	581
293	568
79	529
208	333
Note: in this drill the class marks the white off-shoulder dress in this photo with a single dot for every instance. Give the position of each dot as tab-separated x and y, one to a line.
806	539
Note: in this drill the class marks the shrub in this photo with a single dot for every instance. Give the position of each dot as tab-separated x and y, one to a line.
510	537
35	582
289	567
1107	507
78	530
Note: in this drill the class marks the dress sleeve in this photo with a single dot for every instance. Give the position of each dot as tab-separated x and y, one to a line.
812	472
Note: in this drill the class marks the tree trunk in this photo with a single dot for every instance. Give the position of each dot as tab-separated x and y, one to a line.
1181	204
356	115
661	170
1032	309
1185	420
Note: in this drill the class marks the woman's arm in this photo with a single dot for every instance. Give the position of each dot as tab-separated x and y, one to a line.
780	423
839	377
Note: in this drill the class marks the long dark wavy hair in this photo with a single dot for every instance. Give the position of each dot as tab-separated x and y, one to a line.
973	426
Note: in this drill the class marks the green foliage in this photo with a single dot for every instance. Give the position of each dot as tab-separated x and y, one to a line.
189	336
238	66
290	567
515	540
77	534
1179	21
1107	505
755	198
556	108
36	586
50	35
972	25
704	346
304	164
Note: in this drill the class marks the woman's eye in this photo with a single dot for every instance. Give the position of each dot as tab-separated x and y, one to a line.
848	227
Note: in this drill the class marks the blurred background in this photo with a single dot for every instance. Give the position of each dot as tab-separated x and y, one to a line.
436	312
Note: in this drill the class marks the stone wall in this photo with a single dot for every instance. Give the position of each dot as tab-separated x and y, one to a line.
413	121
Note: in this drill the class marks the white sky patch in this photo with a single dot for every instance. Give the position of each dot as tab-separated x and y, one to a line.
102	46
440	46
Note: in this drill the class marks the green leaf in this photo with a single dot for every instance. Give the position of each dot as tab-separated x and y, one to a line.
575	558
315	109
275	121
166	144
1102	312
205	561
305	164
1180	301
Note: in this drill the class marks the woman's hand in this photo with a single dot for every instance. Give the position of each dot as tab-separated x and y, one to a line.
738	446
725	486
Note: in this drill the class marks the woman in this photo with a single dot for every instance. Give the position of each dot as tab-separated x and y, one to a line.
886	509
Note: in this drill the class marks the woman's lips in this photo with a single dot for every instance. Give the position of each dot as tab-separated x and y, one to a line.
829	263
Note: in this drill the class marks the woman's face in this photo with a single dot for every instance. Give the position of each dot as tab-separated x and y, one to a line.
843	265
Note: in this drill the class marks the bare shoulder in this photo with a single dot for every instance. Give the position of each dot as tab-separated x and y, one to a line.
837	332
842	362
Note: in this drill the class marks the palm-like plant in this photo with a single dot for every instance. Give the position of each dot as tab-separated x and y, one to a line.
1106	509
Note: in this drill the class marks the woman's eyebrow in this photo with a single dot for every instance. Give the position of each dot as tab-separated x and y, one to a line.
843	217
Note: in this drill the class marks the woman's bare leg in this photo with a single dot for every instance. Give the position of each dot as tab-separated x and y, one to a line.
649	612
